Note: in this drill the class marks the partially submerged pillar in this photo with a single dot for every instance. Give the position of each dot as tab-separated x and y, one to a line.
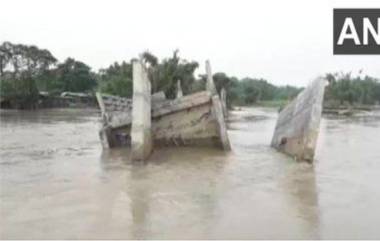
297	127
217	109
141	133
223	99
210	86
104	133
179	90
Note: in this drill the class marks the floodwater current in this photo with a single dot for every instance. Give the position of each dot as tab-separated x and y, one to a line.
58	183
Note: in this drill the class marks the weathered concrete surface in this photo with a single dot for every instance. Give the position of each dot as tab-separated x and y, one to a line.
217	110
158	97
101	104
116	112
179	90
103	134
113	103
186	121
223	99
191	120
210	85
297	126
141	132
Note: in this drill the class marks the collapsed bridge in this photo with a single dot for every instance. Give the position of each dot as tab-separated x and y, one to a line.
146	120
149	120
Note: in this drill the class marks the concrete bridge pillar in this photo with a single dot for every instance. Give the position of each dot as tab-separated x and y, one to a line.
141	133
297	126
210	85
217	109
179	89
223	99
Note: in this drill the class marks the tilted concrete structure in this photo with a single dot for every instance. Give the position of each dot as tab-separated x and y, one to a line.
192	120
297	127
187	121
115	112
217	110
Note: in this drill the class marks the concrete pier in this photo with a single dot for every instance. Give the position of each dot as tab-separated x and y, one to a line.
217	111
141	131
223	99
297	127
179	89
210	85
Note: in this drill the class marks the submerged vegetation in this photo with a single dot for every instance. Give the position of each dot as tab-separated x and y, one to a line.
26	71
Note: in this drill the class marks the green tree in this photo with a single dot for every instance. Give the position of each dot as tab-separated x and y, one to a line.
345	89
116	79
20	66
73	75
165	74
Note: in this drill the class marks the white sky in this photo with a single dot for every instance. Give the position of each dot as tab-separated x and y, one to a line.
286	42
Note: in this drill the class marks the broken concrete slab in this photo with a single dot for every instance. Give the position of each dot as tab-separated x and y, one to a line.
141	131
116	111
112	104
187	121
297	127
192	120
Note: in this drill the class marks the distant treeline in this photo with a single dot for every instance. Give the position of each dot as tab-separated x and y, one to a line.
26	70
344	89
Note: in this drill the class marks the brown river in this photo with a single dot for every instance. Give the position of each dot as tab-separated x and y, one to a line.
57	183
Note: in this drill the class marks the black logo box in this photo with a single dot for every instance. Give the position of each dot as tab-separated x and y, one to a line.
357	15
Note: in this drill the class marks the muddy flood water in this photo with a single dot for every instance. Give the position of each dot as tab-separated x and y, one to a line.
56	182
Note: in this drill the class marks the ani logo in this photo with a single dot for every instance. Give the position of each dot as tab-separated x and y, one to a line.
357	31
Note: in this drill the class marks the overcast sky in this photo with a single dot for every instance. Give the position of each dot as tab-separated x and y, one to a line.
286	42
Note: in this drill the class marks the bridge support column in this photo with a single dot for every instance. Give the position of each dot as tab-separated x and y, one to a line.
210	85
217	109
141	133
179	90
223	99
297	127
